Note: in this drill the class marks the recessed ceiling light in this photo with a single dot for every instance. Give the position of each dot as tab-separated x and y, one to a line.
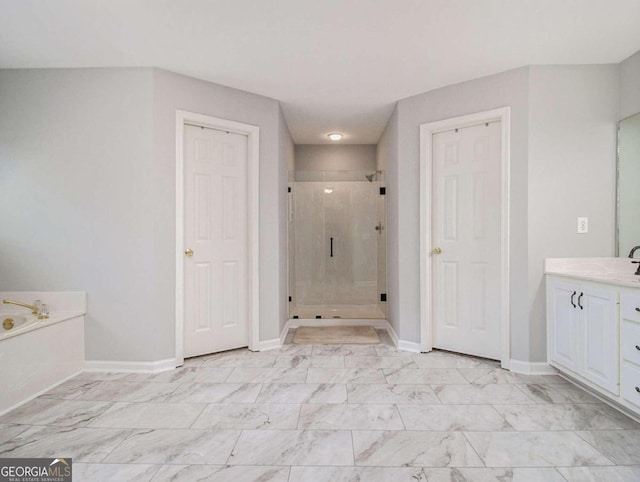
336	136
328	190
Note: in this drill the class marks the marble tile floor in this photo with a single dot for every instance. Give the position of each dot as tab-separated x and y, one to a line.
327	413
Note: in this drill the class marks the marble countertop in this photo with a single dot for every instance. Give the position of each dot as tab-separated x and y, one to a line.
617	271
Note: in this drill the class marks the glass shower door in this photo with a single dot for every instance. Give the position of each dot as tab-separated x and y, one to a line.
335	249
350	221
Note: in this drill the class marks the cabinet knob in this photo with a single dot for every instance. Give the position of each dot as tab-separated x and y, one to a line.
637	309
638	389
638	347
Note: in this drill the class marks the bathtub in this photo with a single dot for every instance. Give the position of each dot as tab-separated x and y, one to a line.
14	323
36	355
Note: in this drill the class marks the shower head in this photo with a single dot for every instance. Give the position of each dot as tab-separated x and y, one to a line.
373	176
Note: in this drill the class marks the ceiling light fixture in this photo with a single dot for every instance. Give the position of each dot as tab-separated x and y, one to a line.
336	136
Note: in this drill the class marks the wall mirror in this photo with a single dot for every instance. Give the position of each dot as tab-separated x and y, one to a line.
628	202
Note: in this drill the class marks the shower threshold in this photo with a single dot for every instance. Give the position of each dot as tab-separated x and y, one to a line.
337	312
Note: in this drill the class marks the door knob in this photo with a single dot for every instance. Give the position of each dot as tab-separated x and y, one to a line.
436	251
188	252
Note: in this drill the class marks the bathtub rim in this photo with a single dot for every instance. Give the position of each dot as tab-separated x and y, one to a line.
54	318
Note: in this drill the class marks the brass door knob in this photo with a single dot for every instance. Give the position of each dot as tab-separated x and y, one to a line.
436	251
188	252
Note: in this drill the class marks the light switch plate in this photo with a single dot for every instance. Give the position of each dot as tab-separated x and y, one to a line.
583	225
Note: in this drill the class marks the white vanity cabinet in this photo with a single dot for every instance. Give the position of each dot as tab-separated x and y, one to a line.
593	326
583	330
630	343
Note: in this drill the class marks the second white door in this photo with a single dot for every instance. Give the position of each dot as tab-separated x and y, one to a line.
466	240
215	240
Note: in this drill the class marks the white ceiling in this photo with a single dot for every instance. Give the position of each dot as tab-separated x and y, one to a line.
336	65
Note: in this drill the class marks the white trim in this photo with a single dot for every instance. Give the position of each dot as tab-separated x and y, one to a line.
41	392
426	168
531	368
253	158
394	336
284	333
402	344
131	366
266	345
376	323
411	346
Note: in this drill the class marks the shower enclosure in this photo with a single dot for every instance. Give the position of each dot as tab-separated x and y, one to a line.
337	250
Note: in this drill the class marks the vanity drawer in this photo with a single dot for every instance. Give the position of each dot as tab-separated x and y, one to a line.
630	383
630	341
630	307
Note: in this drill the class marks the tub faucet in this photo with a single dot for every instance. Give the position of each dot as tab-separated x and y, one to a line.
36	309
633	251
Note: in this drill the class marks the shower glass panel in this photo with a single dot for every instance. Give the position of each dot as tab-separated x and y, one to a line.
337	231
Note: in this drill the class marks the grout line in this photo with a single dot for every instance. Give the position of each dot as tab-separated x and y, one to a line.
590	444
126	437
353	449
464	434
234	447
154	475
556	469
400	414
199	415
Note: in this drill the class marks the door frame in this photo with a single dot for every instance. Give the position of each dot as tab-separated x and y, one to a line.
426	174
253	228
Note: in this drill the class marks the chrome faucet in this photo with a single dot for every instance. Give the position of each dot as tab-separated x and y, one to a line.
36	308
633	251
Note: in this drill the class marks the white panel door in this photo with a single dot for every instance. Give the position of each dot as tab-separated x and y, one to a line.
466	238
599	320
216	296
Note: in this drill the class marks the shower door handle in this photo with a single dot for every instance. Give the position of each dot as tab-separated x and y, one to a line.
331	242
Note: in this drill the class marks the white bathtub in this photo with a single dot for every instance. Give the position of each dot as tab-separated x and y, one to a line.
14	323
36	355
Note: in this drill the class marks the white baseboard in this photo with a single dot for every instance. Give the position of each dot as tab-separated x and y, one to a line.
41	392
531	368
283	333
269	344
130	366
376	323
402	344
393	335
409	346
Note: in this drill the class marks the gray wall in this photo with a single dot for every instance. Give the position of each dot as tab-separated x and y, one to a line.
572	158
562	166
630	86
505	89
87	196
77	199
173	91
339	157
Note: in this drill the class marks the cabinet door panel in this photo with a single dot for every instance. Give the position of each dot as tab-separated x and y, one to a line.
563	324
599	326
